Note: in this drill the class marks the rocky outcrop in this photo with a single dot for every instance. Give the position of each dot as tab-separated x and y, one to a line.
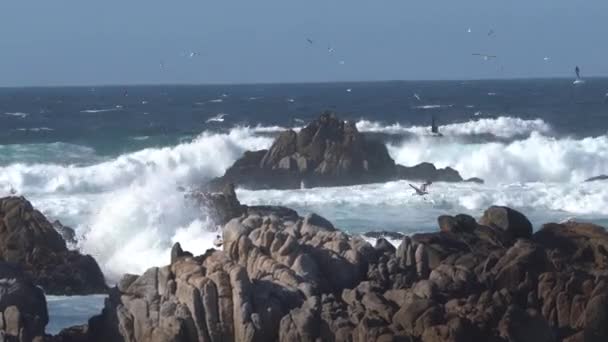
27	238
222	206
597	178
23	313
327	152
304	280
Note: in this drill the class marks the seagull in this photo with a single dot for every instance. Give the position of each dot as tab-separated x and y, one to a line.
417	97
579	79
484	56
546	59
217	118
330	49
349	90
193	54
309	41
469	30
490	33
423	188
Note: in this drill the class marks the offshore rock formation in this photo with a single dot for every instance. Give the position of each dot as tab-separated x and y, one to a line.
327	152
28	239
304	280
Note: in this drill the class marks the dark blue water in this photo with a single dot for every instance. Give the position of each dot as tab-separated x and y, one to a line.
116	119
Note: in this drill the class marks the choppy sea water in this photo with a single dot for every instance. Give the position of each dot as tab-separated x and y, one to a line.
110	165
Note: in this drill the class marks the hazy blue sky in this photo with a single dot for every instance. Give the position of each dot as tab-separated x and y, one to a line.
69	42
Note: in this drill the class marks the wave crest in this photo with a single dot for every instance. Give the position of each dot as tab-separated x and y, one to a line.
502	127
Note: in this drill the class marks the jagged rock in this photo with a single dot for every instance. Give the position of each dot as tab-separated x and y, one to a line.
597	178
29	239
327	152
428	172
384	234
514	223
302	279
474	180
66	232
23	310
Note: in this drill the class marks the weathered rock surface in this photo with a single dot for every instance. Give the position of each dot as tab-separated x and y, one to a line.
327	152
304	280
27	238
23	313
597	178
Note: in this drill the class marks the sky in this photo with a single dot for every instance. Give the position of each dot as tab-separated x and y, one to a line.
76	42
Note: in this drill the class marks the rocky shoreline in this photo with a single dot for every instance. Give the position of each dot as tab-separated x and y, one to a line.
280	277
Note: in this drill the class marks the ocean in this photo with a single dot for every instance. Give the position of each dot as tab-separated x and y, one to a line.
108	161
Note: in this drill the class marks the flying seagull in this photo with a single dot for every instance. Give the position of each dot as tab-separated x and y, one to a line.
484	56
546	59
490	33
193	54
422	190
309	41
330	49
417	97
469	30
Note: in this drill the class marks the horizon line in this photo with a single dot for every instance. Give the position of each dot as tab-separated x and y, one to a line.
217	84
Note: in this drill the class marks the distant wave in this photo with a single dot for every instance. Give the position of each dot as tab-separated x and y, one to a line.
140	138
93	111
433	106
503	127
35	129
17	114
218	118
216	101
273	129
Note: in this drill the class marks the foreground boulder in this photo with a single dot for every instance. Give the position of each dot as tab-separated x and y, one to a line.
23	313
27	238
327	152
304	280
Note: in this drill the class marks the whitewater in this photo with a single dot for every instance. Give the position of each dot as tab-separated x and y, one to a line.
128	210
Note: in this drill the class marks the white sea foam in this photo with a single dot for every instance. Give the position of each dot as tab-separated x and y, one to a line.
17	114
503	127
129	209
537	158
433	106
35	129
389	205
218	118
103	110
